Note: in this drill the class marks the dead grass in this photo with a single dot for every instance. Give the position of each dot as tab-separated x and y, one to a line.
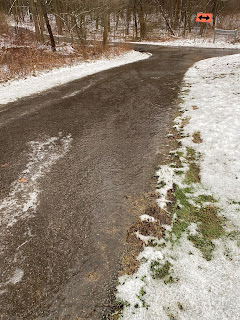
21	55
134	245
116	312
186	121
144	205
95	50
193	174
93	277
197	137
129	262
20	62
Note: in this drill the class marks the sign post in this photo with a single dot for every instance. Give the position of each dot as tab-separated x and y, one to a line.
203	17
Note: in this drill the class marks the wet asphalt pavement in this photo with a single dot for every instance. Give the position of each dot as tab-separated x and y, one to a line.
69	251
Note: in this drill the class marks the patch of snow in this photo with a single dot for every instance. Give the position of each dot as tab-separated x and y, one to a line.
2	292
23	197
199	43
17	276
192	229
203	289
13	280
65	49
146	217
150	253
166	181
143	238
167	227
16	89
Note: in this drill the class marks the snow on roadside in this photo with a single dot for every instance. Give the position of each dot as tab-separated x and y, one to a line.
175	281
216	94
201	289
16	89
199	43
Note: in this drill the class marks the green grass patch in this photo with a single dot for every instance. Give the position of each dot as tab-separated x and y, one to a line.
160	271
178	228
204	245
209	224
193	174
205	198
187	190
191	154
179	172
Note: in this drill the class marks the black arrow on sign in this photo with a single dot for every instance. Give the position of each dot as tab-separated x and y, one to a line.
206	18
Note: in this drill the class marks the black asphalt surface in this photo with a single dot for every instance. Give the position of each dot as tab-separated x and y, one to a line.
70	249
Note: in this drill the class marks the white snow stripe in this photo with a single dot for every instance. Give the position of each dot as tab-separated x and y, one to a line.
23	198
16	89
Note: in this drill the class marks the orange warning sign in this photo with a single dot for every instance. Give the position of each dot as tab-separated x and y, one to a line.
204	17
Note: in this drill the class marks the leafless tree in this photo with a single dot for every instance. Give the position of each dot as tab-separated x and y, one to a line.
80	18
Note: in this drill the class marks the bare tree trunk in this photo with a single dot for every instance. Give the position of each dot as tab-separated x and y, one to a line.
97	23
44	10
176	17
215	11
135	19
141	20
166	20
128	20
57	10
35	19
189	15
185	23
105	30
41	21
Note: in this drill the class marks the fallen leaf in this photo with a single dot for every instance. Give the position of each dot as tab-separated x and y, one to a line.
4	165
22	180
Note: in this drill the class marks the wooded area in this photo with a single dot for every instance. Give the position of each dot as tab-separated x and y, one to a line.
83	20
